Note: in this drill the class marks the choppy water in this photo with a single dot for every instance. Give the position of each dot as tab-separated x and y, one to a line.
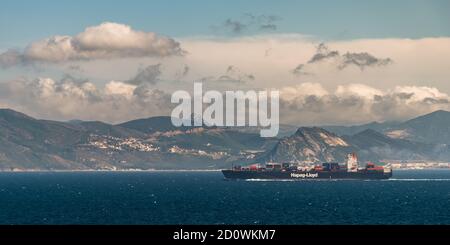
411	197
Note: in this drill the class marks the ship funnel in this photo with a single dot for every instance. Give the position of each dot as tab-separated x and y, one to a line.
352	162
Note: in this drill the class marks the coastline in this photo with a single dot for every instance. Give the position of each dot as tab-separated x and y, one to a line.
157	170
94	170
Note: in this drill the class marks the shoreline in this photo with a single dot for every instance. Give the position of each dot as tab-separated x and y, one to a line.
119	171
153	170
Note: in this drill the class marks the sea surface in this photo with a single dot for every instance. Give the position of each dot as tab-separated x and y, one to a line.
411	197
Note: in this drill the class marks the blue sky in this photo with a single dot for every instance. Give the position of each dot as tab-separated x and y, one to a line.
22	21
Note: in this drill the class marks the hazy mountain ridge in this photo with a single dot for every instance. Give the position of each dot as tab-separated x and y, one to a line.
433	128
312	145
154	143
28	143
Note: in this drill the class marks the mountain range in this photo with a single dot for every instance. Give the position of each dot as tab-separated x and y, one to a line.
27	143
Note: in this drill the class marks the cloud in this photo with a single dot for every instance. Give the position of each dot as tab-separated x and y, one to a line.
418	61
299	70
120	88
232	75
234	26
149	74
265	22
105	41
312	104
250	22
293	93
363	60
10	58
70	98
181	74
302	104
323	53
233	71
360	60
420	68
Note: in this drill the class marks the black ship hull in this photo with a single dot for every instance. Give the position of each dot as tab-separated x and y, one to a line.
304	175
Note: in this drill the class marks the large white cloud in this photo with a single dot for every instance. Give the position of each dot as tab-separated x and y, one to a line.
312	104
70	98
107	40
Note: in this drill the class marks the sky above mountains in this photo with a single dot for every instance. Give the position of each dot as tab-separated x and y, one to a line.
335	62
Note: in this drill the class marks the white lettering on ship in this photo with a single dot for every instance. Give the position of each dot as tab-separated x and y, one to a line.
304	175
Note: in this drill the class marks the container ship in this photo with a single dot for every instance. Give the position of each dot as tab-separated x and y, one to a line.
328	170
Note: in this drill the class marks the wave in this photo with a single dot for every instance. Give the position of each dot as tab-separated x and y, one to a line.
300	180
418	180
270	180
292	180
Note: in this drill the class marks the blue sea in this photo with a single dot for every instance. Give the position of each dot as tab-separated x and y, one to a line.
411	197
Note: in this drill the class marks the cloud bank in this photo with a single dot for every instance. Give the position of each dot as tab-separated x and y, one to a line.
303	104
342	82
312	104
70	98
274	60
